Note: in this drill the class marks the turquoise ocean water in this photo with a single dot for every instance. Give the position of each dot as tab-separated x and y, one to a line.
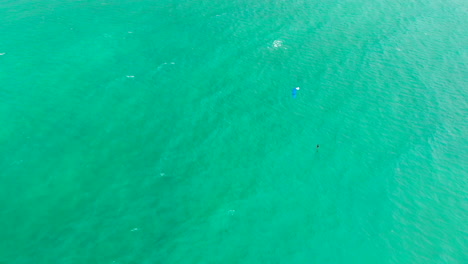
164	131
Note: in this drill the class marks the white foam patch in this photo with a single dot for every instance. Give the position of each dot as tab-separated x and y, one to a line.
130	76
277	43
1	54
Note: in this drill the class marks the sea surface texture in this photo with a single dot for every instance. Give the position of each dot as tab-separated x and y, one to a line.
168	131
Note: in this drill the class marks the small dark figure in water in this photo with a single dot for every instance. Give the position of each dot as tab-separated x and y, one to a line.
318	146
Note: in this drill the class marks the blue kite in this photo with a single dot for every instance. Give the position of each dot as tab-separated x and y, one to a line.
294	92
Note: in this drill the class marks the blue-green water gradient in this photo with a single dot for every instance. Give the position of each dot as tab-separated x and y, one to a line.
143	131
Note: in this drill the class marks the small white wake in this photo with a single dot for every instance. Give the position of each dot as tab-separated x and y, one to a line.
165	63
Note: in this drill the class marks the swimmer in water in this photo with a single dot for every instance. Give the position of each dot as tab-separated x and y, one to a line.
318	146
